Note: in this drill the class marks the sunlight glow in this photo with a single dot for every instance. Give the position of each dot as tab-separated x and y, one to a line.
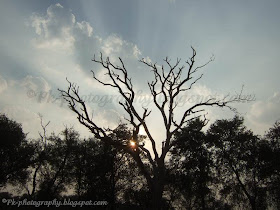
132	143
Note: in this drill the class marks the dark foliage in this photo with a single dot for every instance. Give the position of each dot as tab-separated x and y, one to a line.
15	152
224	167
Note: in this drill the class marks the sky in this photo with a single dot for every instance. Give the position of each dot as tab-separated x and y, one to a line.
44	42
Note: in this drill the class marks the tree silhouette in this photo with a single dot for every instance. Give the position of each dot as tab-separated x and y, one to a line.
54	175
237	161
270	163
11	132
224	167
191	166
39	158
168	84
15	152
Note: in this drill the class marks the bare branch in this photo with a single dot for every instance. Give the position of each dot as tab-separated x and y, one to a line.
170	80
127	94
44	127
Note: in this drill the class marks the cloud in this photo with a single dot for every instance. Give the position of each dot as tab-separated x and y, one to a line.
24	98
37	84
115	47
58	29
263	114
55	23
85	28
3	84
25	116
62	47
18	105
60	38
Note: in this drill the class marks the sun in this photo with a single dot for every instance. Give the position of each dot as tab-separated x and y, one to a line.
132	143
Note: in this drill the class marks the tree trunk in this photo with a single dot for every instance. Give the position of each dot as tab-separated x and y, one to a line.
156	202
157	187
253	203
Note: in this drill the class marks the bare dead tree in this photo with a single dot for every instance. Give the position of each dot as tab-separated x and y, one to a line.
167	84
41	150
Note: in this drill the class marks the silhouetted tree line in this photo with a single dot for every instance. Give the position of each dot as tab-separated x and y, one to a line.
223	167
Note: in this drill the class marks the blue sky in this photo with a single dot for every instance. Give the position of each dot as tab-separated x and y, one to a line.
43	42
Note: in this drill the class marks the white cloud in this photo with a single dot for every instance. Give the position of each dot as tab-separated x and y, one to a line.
23	99
62	43
263	114
37	84
53	24
61	47
85	28
25	116
114	46
3	84
136	52
54	30
20	104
